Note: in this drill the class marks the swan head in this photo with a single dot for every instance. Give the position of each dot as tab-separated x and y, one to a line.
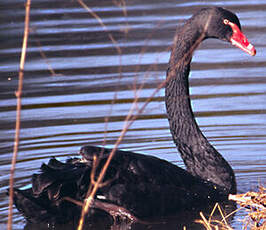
220	23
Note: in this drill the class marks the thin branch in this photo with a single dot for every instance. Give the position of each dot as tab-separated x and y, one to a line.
93	187
102	24
119	52
47	60
18	116
127	123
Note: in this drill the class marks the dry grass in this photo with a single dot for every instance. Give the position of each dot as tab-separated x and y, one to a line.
254	203
212	223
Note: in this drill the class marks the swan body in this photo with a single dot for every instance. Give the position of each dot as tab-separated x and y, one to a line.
141	185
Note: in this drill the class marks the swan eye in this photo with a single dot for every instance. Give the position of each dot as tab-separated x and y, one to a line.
226	21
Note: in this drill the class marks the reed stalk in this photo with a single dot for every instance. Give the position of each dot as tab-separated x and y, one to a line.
18	114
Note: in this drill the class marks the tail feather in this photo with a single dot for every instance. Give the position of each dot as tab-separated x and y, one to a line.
45	201
33	209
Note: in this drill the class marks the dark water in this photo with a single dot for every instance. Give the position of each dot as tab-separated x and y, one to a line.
62	112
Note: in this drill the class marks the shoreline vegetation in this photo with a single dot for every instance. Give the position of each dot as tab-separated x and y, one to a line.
254	205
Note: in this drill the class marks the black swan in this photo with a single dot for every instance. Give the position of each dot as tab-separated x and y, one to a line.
140	185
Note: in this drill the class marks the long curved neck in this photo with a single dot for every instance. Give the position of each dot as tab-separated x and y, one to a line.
200	157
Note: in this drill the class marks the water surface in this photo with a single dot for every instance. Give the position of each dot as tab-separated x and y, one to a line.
64	111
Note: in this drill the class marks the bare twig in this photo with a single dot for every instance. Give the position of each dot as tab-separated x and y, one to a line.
102	24
18	95
127	123
119	52
122	5
99	183
46	60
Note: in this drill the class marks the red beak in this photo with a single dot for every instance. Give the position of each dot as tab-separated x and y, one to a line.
239	40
